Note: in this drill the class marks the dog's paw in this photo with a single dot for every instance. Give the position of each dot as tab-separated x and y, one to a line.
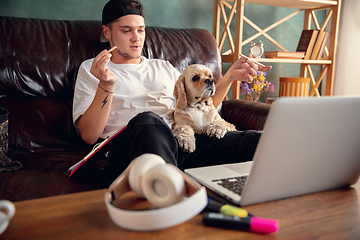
186	144
185	137
220	129
231	127
216	131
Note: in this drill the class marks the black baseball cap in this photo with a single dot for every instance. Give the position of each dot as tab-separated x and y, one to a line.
115	9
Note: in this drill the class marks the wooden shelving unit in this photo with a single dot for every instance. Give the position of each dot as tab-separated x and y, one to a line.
236	9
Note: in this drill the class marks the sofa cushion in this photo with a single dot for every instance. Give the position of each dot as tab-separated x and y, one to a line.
40	125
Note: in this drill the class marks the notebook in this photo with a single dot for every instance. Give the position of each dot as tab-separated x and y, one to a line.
98	150
308	145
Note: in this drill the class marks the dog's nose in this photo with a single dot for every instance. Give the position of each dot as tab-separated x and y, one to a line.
209	81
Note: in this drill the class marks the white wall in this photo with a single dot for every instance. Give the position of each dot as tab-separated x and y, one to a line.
347	69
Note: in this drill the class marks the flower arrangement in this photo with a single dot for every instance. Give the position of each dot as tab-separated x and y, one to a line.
253	90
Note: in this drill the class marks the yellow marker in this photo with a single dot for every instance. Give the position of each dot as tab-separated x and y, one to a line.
233	211
226	209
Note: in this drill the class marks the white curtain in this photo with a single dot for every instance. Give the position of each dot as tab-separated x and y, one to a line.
347	69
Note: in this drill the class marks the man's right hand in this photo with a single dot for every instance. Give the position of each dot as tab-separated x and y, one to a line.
100	69
92	123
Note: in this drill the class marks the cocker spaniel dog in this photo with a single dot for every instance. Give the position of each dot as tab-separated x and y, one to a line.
194	111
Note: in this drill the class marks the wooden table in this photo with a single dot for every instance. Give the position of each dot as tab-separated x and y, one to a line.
326	215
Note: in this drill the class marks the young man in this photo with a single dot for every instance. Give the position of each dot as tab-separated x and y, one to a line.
124	88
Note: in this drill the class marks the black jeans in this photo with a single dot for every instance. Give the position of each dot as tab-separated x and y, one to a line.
148	133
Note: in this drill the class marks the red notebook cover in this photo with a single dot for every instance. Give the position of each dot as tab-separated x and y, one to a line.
99	149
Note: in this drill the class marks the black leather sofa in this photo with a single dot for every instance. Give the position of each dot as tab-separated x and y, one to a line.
39	60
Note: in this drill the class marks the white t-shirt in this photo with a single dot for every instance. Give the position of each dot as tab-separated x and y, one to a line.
147	86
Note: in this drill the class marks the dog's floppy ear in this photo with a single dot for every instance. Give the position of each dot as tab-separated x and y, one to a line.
179	92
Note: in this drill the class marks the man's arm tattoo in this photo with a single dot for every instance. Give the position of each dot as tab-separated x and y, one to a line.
105	101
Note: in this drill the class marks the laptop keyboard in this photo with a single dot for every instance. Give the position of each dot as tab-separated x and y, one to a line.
234	184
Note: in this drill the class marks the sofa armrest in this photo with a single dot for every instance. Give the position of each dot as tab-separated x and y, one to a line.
245	115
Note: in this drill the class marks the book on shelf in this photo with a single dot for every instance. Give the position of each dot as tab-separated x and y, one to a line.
322	37
98	150
307	42
322	46
282	54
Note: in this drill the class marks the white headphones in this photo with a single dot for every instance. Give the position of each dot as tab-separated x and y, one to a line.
178	197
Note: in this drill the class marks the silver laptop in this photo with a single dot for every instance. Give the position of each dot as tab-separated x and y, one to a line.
308	145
